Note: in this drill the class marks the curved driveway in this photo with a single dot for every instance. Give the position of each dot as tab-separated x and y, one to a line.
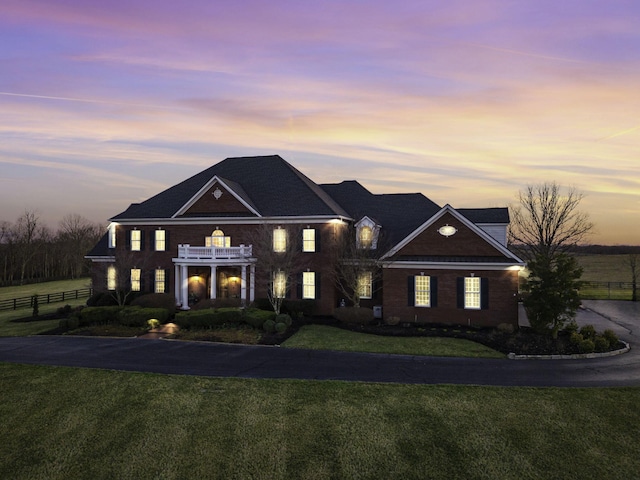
223	360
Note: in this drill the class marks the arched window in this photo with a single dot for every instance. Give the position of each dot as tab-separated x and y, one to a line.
217	239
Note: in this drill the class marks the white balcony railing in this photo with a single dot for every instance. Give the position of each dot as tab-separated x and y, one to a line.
187	251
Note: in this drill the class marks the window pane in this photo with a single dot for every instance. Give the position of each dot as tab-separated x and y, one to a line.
308	240
365	236
365	285
279	284
308	285
112	236
423	291
160	278
279	240
472	292
160	241
111	278
135	279
136	235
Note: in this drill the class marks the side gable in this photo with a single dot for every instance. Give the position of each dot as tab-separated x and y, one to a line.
219	197
461	240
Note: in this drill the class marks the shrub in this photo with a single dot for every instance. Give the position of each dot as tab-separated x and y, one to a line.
299	308
138	316
66	310
571	327
263	304
280	327
357	315
70	323
611	336
505	328
227	315
601	344
256	317
99	315
157	300
586	346
588	332
575	338
195	319
269	326
392	321
284	318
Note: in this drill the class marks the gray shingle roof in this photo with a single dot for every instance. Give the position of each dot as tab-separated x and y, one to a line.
269	183
485	215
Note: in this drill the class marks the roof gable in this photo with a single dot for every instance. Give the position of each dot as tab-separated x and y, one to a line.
465	239
219	197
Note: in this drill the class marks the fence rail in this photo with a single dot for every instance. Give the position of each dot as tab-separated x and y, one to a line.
606	290
27	302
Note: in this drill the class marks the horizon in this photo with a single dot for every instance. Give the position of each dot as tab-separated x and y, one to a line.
104	105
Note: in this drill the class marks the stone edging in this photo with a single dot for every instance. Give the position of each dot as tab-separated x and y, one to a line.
576	356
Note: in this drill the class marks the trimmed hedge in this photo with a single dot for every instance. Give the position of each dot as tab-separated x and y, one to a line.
138	316
98	315
157	300
256	317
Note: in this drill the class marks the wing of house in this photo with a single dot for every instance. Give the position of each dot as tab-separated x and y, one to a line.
201	239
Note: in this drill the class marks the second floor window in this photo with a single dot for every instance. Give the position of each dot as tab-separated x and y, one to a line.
280	240
309	240
365	237
160	244
136	240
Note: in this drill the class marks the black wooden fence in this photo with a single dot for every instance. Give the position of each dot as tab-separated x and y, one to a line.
27	302
606	290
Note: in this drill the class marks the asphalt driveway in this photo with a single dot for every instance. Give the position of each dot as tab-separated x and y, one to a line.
224	360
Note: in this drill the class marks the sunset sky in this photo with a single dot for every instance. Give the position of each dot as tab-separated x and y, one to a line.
105	103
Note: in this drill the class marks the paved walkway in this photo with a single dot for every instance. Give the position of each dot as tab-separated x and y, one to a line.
223	360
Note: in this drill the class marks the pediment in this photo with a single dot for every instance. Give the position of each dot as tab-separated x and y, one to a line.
219	197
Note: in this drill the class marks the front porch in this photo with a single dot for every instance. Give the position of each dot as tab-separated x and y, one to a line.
214	272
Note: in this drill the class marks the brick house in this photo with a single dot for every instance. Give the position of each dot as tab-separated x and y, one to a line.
203	238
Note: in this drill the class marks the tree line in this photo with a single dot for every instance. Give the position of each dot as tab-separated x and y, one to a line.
31	251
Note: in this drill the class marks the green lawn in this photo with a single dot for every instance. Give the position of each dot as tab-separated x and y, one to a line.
43	288
66	423
322	337
605	268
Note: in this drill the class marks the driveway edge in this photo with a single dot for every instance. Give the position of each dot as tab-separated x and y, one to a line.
575	356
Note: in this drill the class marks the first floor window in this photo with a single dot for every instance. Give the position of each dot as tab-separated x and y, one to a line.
160	281
279	284
135	279
308	240
279	240
422	291
365	285
472	292
136	240
161	244
111	278
309	285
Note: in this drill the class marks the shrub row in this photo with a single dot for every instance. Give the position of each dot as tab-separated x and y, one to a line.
588	340
132	316
208	318
356	315
295	308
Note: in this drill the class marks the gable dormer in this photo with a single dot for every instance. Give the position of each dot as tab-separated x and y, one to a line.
219	197
367	233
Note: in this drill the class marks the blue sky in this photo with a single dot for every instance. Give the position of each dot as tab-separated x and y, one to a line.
107	103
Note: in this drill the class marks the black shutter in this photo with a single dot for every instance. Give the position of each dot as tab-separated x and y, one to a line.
318	286
141	240
167	288
153	240
317	236
434	291
128	239
411	291
166	240
300	241
299	285
484	293
460	291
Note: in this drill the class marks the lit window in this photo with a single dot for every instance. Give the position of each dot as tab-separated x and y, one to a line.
308	285
308	240
112	235
135	279
279	240
279	284
365	285
136	240
160	281
161	244
472	292
365	237
111	278
217	240
422	291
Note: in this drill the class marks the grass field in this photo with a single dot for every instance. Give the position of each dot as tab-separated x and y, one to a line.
65	423
43	288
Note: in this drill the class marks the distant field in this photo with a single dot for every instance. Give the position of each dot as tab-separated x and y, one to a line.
605	268
43	288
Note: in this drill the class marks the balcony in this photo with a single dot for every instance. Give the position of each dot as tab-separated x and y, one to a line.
214	253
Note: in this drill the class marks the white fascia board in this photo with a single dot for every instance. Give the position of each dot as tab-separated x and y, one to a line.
449	209
454	265
234	220
205	188
100	259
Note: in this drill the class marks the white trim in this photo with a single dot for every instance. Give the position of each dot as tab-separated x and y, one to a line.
100	258
458	216
165	222
454	265
207	186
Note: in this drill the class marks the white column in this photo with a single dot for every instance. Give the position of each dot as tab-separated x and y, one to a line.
214	281
252	283
243	285
185	286
177	285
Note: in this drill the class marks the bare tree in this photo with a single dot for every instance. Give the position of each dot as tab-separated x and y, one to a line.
633	265
354	266
26	234
77	235
278	258
547	221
